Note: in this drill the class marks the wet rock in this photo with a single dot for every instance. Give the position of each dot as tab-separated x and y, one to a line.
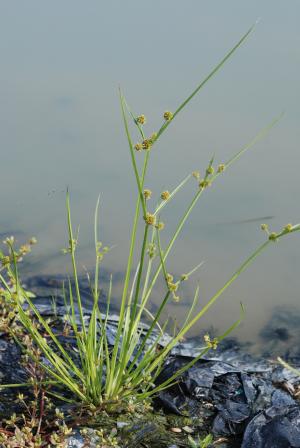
52	286
77	440
235	391
275	427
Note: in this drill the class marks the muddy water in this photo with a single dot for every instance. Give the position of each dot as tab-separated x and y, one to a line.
61	127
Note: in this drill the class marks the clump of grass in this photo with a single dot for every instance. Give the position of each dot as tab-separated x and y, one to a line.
120	377
200	443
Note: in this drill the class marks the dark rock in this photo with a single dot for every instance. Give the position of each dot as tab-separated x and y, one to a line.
236	391
276	427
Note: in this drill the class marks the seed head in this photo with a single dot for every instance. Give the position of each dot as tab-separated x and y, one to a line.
196	175
210	170
147	194
9	240
150	219
32	241
210	343
206	338
5	260
141	119
25	249
160	225
221	168
264	227
151	250
146	145
138	147
173	286
273	236
169	278
288	227
168	115
165	195
184	277
204	183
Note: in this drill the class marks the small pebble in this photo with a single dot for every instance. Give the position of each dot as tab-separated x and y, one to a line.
122	424
176	430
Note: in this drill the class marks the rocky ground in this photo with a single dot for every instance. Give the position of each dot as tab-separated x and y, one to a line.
241	400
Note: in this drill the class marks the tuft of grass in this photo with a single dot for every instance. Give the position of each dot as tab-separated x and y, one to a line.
200	443
123	376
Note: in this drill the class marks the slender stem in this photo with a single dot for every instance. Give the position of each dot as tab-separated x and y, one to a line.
72	251
172	241
139	278
134	165
96	280
192	322
149	332
210	75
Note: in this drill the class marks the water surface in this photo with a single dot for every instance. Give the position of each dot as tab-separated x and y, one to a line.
60	122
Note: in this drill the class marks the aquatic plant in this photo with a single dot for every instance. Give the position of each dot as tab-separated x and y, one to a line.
124	376
200	443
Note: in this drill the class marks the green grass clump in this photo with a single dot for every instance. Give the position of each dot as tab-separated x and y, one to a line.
200	443
105	377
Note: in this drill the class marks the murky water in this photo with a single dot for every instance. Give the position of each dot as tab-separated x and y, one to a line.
61	127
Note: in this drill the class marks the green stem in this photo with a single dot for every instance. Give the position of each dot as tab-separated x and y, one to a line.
72	251
192	322
172	241
210	75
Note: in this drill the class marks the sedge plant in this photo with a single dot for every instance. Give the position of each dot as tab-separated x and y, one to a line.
102	376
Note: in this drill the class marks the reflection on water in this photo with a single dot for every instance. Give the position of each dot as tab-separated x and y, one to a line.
60	127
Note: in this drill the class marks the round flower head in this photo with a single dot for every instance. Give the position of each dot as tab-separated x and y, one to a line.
168	115
204	183
221	168
169	278
150	219
264	227
141	119
196	174
9	240
5	260
210	343
165	195
160	225
206	338
147	194
173	286
288	227
147	143
210	170
273	236
24	249
151	250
